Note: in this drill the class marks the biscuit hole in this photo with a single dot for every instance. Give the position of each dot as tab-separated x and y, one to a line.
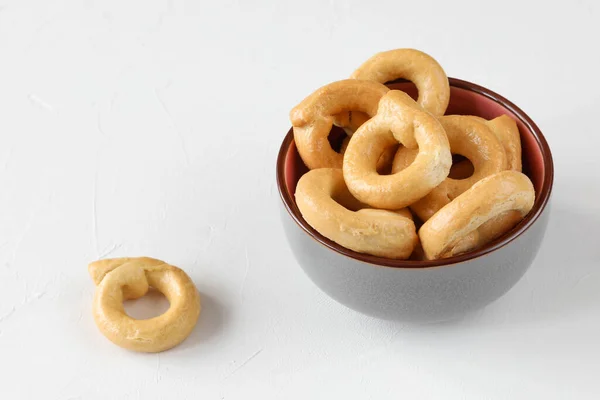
462	167
336	137
151	305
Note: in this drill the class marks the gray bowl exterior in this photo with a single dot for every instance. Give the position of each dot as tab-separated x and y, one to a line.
420	295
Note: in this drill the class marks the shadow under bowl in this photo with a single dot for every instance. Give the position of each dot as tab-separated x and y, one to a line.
424	291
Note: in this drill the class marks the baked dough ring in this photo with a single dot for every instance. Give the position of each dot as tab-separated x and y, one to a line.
312	119
506	191
327	205
470	138
399	119
121	279
418	67
507	132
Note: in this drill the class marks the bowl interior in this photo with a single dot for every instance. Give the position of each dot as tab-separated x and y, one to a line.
465	99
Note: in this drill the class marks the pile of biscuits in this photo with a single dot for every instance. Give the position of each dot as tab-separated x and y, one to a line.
395	167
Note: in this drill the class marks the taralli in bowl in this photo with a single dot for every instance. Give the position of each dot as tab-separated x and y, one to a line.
312	119
399	119
398	152
470	138
121	279
493	258
411	64
489	198
418	67
326	203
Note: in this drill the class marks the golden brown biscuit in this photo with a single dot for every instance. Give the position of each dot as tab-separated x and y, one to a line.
496	195
327	205
418	67
312	119
467	137
121	279
399	119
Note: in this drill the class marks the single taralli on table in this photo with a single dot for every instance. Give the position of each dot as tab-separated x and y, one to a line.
122	279
398	154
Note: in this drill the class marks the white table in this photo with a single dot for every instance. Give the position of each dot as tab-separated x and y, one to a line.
151	128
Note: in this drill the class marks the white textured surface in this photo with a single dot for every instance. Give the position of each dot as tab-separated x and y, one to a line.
152	127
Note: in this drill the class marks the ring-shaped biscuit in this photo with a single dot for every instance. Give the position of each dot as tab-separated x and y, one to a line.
399	119
418	67
467	137
498	194
506	130
326	204
121	279
312	119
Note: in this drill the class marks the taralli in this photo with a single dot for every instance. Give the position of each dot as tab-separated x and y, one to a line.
507	132
495	195
327	205
467	137
312	119
418	67
121	279
399	119
396	162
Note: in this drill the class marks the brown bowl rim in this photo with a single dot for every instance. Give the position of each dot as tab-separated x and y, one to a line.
540	204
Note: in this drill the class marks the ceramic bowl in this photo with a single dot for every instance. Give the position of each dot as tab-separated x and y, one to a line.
424	291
